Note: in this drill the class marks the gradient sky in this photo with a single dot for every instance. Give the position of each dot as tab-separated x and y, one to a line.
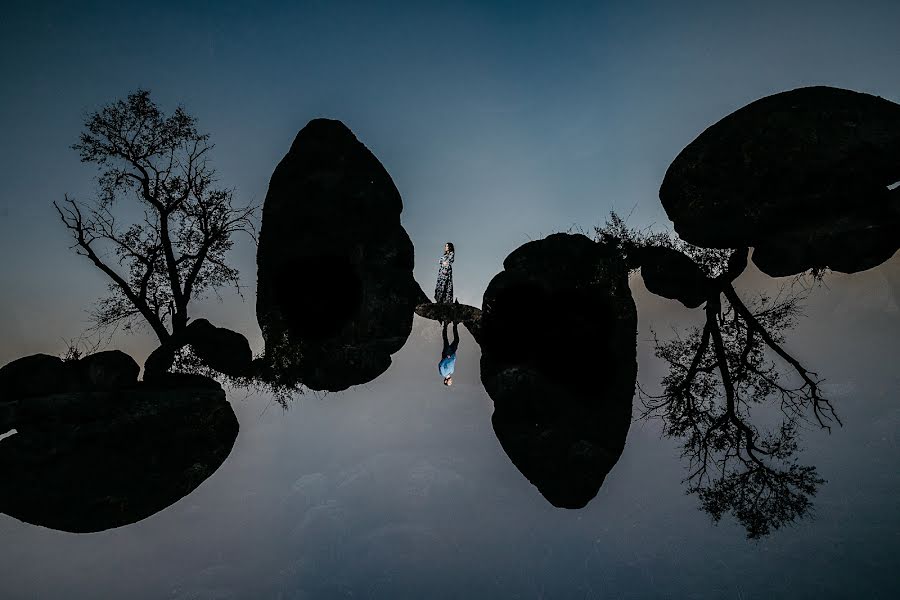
499	122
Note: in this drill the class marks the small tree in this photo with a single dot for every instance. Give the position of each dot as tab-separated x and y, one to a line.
176	251
718	375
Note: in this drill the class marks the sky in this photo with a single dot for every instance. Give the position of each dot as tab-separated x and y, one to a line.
499	122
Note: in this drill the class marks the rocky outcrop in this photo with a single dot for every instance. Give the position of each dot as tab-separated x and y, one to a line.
108	370
222	350
335	293
90	461
35	375
672	274
558	340
42	374
456	313
801	176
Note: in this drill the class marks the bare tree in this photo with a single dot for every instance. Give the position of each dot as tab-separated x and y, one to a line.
719	374
176	251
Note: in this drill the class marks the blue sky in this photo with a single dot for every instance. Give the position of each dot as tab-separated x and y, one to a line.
499	122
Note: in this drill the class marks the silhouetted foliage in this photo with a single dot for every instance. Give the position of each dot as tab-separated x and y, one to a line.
177	251
282	385
616	233
719	374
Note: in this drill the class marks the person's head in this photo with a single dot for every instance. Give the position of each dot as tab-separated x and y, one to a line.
448	380
448	247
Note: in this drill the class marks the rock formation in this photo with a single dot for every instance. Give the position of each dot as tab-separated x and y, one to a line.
335	294
86	461
458	313
801	176
42	374
558	340
220	349
672	274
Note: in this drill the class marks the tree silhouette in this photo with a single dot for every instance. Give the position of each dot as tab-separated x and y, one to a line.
718	374
176	251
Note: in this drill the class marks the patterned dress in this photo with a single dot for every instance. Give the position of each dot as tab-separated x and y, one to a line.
443	291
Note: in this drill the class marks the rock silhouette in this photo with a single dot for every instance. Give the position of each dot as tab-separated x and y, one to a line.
335	295
802	176
42	374
93	460
672	274
470	316
558	339
220	349
35	375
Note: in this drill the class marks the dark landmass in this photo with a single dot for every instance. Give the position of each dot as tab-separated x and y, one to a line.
558	339
801	176
42	374
335	295
222	350
86	460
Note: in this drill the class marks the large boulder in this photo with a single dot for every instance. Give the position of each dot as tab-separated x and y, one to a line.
90	461
36	375
222	350
335	291
801	176
558	341
672	274
108	370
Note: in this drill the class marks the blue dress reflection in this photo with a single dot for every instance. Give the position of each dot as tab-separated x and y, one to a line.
448	355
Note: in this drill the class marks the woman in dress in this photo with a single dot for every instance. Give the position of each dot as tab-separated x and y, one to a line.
443	291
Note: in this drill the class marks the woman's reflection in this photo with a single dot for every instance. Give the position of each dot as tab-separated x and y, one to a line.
448	355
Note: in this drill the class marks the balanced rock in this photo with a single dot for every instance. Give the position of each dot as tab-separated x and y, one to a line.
558	341
672	274
36	375
802	176
335	293
108	370
222	350
90	461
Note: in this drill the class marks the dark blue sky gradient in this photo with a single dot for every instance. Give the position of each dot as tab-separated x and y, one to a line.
499	122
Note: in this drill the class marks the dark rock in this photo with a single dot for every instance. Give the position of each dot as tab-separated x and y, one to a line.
801	176
36	375
456	313
335	293
109	370
558	339
90	461
672	274
222	350
848	244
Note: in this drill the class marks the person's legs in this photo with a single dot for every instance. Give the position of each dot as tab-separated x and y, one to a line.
455	344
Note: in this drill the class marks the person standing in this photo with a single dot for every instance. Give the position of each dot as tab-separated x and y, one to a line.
443	291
